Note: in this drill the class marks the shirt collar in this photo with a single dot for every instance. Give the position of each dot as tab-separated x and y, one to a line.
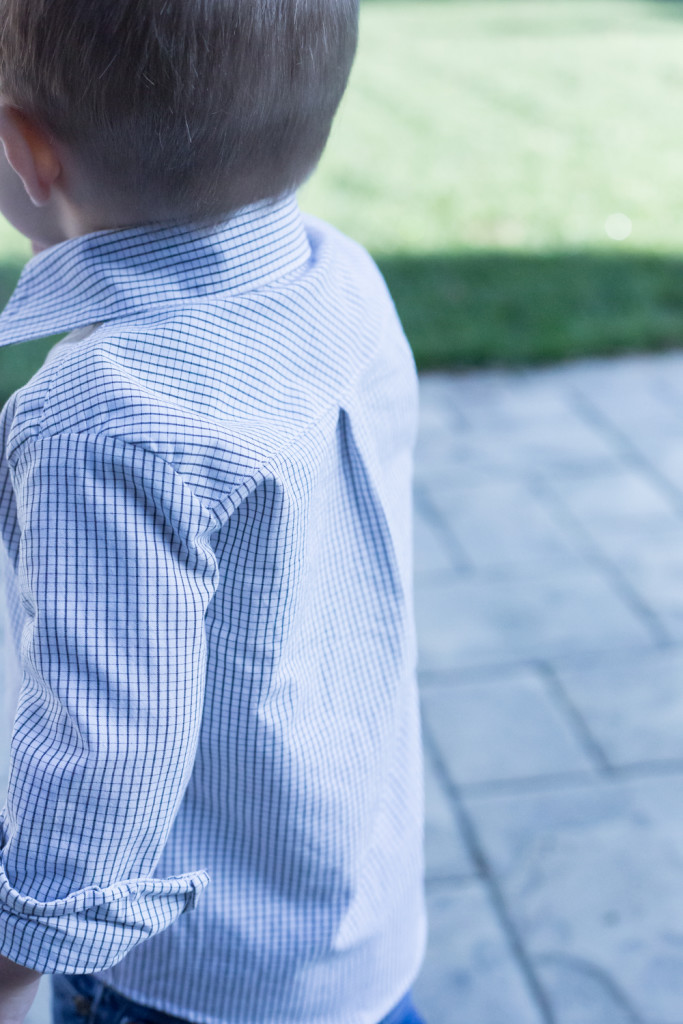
111	274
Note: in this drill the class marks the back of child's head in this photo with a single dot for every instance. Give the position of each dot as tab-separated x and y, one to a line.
194	107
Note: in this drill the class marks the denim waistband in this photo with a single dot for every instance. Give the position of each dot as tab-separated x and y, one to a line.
106	1006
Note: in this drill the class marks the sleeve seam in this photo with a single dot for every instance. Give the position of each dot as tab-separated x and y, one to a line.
37	439
220	509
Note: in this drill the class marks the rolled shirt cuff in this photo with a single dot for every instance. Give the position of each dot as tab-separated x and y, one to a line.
93	928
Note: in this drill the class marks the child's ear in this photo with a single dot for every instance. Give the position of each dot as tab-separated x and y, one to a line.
30	152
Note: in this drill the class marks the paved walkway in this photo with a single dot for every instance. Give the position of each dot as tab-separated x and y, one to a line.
549	566
550	604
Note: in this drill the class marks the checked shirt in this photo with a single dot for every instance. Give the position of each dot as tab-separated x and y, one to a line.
205	512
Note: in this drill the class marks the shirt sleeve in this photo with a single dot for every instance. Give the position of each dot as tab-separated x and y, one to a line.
116	572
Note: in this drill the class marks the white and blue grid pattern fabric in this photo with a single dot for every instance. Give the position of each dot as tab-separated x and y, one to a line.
205	501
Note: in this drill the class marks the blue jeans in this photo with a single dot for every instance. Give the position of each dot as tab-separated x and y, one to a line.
85	1000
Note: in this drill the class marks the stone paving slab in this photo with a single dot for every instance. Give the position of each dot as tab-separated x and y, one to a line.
634	707
499	398
471	456
470	975
580	993
506	727
438	552
446	852
453	450
667	460
501	619
634	405
593	875
503	523
637	508
636	388
656	574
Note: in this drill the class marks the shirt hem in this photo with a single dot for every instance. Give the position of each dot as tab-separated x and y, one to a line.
167	1007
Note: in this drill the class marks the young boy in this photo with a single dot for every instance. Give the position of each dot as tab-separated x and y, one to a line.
205	502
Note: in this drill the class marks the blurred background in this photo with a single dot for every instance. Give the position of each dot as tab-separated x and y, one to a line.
516	168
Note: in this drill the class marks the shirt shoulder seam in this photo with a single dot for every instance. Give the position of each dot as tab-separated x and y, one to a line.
219	510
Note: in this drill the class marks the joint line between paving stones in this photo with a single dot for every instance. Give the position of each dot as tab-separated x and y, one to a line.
605	980
489	879
599	420
571	712
670	395
649	769
531	784
661	636
461	563
434	883
534	784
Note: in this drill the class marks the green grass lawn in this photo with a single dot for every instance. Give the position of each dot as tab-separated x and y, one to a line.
480	150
